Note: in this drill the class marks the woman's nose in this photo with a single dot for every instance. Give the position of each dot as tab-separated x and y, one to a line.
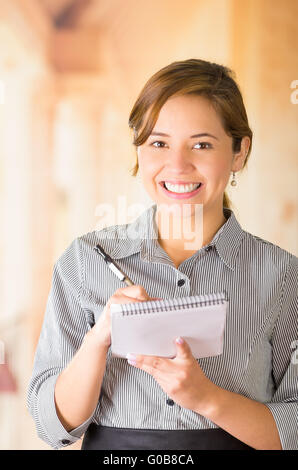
178	160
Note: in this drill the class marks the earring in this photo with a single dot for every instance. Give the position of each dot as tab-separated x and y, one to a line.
233	182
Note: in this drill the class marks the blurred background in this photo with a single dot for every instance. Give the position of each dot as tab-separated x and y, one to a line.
70	71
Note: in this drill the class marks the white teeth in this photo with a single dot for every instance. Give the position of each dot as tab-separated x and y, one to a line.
181	188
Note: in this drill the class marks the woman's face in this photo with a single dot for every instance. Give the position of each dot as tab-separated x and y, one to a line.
175	159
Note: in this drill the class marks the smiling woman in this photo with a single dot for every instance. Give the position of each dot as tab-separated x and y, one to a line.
197	79
191	131
196	109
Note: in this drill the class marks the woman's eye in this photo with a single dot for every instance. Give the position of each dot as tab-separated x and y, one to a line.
157	142
204	143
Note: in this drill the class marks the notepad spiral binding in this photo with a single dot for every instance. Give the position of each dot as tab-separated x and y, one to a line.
153	306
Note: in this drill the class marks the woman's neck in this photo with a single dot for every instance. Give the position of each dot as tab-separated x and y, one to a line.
181	237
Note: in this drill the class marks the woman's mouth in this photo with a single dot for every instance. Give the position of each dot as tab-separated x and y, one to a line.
180	190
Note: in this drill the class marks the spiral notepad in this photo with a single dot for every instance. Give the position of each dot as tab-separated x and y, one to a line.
150	327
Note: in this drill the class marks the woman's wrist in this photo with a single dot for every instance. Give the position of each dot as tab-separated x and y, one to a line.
94	340
208	398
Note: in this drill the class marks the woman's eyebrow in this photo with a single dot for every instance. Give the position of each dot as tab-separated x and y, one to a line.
203	134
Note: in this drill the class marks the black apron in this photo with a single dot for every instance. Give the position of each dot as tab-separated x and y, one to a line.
99	437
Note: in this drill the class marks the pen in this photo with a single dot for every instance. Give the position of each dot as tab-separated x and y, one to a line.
113	266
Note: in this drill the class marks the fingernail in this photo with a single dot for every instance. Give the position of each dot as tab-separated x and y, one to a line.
179	340
132	363
131	357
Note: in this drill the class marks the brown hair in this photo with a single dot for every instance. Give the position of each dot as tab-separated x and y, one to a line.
192	76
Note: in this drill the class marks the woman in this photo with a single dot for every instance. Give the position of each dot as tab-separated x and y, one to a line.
191	132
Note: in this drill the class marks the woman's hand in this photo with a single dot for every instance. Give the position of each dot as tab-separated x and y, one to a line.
101	331
181	378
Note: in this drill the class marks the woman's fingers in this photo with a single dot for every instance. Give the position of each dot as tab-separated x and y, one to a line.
132	293
123	295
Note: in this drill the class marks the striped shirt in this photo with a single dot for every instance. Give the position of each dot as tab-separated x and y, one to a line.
259	358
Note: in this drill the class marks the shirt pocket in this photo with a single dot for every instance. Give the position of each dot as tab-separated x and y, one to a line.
93	307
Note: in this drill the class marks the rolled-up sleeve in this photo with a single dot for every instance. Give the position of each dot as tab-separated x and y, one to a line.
64	327
284	403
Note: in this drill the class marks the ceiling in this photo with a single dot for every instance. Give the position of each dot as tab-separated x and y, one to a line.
134	37
79	13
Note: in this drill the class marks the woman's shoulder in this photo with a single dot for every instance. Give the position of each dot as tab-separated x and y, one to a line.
113	238
125	235
268	252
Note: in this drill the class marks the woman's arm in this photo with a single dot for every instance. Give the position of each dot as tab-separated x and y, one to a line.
184	381
249	421
274	425
78	386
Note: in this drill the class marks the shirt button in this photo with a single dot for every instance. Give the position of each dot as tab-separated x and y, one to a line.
208	248
65	441
181	282
170	402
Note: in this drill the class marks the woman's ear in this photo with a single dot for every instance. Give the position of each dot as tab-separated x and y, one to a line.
239	158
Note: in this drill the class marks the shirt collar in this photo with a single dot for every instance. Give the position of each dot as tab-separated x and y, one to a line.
130	237
228	238
141	236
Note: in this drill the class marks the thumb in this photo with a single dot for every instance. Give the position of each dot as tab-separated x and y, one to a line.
183	349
